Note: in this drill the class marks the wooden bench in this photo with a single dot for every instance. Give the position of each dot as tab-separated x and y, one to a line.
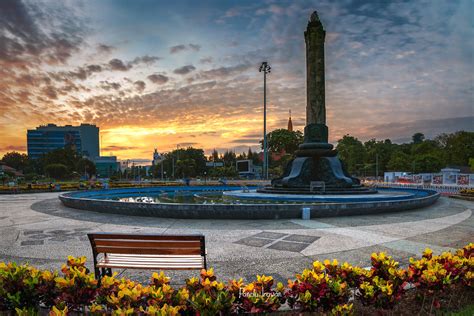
160	252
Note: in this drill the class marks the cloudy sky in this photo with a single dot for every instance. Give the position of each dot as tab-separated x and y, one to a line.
161	73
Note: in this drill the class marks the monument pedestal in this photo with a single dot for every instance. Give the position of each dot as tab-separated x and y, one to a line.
316	162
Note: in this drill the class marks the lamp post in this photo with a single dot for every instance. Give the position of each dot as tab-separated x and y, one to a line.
172	165
161	163
376	166
265	68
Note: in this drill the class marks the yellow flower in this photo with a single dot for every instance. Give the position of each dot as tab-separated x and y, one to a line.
427	253
264	279
108	281
346	266
318	266
123	311
62	282
249	288
58	312
207	273
183	294
306	297
192	281
96	308
112	299
218	285
235	285
161	278
47	275
280	287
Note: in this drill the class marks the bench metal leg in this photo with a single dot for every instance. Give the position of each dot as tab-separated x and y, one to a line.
97	273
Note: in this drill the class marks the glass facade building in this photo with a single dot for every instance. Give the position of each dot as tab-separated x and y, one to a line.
84	139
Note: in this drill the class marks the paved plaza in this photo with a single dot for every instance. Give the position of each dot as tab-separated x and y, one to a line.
38	229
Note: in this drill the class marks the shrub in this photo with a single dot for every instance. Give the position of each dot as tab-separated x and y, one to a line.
318	289
56	171
327	288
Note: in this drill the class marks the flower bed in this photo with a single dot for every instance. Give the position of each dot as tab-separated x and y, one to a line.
72	186
467	192
429	284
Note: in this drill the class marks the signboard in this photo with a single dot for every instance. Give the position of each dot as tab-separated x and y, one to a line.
418	178
463	179
214	164
437	179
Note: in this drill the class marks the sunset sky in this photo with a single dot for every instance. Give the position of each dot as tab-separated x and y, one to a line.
161	73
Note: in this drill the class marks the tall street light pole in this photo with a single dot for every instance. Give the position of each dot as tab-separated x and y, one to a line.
376	166
265	68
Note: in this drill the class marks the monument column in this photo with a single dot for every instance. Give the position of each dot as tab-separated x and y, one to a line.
316	160
315	87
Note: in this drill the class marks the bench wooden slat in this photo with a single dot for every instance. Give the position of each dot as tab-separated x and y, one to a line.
98	236
157	267
151	257
195	262
154	251
152	263
177	261
114	257
149	244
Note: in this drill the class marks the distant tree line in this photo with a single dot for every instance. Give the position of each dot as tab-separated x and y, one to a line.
59	164
419	156
191	163
360	158
366	158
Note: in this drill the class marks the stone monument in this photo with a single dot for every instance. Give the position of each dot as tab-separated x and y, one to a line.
316	168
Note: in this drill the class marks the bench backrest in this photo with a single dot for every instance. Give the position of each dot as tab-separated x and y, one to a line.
178	245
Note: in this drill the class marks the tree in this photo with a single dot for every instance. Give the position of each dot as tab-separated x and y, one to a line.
219	172
57	171
85	166
214	156
186	168
426	147
198	158
378	151
229	159
427	163
352	153
418	138
283	140
399	161
254	156
459	148
65	156
155	170
179	158
16	160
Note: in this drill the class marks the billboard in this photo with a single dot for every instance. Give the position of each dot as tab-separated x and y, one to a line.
463	179
437	179
244	166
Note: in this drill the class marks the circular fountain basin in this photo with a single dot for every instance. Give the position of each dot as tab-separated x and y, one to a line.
226	202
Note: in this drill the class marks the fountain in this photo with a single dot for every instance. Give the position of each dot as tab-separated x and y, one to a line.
314	179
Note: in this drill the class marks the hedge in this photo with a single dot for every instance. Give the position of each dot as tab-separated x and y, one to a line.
428	284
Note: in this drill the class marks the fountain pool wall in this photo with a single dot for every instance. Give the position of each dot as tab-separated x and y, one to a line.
322	206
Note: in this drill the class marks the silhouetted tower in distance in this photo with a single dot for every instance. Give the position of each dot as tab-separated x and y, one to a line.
290	123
